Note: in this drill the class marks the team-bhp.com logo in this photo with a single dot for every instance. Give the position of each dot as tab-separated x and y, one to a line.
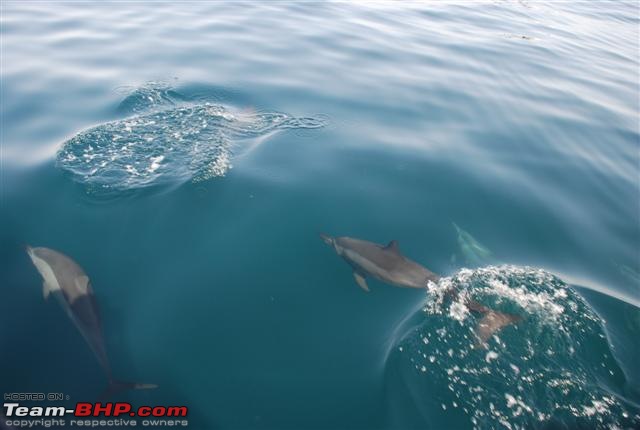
117	409
85	414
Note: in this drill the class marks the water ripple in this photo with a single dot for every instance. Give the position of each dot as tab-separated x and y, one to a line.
167	145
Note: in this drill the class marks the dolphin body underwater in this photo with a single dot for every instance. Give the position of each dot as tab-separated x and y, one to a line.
387	264
473	252
65	279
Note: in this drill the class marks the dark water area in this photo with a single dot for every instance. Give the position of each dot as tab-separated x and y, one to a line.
188	155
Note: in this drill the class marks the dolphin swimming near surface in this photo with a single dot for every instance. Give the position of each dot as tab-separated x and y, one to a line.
387	264
474	253
65	279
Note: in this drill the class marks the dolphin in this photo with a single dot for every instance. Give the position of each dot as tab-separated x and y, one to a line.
65	279
474	253
387	264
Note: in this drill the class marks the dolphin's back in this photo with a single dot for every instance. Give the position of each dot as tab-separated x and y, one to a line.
76	297
70	284
385	262
75	286
372	252
72	280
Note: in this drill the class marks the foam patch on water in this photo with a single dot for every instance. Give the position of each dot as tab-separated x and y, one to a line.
191	142
554	366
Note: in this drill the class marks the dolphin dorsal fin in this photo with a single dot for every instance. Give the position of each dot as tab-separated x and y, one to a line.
393	247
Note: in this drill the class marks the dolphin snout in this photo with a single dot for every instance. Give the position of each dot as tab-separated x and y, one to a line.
327	239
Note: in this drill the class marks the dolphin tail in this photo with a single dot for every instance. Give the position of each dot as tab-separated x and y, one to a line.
116	387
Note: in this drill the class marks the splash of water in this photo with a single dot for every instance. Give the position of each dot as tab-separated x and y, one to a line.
553	368
166	145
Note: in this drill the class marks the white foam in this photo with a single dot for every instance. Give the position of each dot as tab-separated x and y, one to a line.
155	163
490	356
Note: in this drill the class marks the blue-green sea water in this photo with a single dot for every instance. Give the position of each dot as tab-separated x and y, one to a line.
188	154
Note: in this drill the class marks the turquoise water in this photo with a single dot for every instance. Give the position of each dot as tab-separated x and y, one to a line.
187	156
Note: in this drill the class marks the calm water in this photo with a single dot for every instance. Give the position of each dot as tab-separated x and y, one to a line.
187	156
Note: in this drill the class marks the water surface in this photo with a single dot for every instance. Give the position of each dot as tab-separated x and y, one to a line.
517	121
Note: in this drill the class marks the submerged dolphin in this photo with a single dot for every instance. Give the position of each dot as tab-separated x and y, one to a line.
387	264
474	253
65	279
